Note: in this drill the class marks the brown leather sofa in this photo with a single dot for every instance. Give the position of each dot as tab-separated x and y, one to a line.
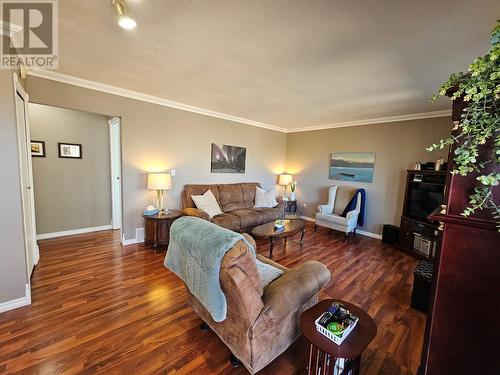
236	201
261	323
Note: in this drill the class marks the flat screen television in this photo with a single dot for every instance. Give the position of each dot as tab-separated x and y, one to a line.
422	202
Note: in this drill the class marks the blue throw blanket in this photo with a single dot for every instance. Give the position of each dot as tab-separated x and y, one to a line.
195	253
352	205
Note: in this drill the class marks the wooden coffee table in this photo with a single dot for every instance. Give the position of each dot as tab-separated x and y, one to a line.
291	228
323	352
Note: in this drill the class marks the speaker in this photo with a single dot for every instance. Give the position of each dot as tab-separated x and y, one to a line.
390	234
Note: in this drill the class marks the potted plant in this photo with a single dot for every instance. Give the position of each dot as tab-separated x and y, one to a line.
476	136
293	186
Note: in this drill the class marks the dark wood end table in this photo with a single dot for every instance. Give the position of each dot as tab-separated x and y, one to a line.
157	228
291	228
323	352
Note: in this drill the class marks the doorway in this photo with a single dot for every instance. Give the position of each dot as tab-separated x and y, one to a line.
26	177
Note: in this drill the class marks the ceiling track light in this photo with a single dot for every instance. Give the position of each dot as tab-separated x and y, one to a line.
125	19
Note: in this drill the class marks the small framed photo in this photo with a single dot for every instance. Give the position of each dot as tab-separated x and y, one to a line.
38	149
70	150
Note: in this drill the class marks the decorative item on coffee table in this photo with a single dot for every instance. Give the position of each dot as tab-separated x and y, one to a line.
327	357
157	228
271	232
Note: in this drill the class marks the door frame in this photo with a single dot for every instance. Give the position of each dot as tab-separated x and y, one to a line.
33	253
116	173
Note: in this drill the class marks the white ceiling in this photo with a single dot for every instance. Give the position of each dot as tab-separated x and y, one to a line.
288	63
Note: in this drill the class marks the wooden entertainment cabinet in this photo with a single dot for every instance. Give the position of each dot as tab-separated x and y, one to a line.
424	192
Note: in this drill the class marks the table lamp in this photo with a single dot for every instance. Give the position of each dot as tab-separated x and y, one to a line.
285	180
159	182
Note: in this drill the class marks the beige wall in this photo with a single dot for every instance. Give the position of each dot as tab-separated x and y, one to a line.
12	253
397	147
158	138
71	193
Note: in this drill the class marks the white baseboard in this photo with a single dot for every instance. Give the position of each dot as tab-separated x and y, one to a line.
139	238
362	232
18	302
72	232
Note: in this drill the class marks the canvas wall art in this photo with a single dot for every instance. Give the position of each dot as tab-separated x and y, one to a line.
352	166
38	149
228	159
70	150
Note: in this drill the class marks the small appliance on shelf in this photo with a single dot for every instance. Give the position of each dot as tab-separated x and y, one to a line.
336	323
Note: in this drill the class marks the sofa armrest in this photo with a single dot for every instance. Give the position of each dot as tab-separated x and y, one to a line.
196	212
352	215
293	289
325	209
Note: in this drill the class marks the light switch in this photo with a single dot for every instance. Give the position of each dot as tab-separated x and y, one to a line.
172	172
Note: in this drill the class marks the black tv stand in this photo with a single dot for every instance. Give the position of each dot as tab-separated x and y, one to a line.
419	236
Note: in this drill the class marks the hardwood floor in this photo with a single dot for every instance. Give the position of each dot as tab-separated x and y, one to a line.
101	308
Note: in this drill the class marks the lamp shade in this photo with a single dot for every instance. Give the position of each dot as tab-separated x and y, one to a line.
159	181
285	179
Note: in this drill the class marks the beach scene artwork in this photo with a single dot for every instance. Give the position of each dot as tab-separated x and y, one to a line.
352	166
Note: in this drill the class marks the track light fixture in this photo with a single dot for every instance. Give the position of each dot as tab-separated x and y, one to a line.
125	19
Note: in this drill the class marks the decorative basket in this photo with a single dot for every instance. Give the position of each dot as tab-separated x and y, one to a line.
337	339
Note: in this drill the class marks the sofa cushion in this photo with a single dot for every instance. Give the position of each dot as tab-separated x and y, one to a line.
248	189
207	202
269	214
342	198
189	190
227	221
264	198
249	217
231	197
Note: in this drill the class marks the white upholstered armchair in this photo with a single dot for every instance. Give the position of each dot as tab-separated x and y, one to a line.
330	215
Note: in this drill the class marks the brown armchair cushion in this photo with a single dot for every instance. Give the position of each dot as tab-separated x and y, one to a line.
231	197
248	217
228	221
270	214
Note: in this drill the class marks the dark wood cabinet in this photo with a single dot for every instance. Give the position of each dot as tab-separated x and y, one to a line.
157	228
462	324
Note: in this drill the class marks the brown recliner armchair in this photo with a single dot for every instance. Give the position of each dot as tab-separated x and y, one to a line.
261	323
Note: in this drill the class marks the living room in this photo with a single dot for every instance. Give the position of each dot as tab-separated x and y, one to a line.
295	91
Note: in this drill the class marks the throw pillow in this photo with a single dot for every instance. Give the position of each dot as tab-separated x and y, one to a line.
265	198
207	203
267	273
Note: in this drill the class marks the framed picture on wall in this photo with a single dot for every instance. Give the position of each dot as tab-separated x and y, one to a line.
70	150
38	149
352	166
228	159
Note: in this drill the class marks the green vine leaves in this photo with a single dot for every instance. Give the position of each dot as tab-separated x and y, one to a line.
479	124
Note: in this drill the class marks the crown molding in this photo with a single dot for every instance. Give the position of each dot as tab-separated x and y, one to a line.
63	78
379	120
113	90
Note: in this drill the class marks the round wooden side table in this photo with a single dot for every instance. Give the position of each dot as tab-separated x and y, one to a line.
323	353
157	228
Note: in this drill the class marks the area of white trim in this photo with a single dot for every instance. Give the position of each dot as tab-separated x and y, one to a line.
63	78
364	233
139	238
379	120
109	89
18	302
72	232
